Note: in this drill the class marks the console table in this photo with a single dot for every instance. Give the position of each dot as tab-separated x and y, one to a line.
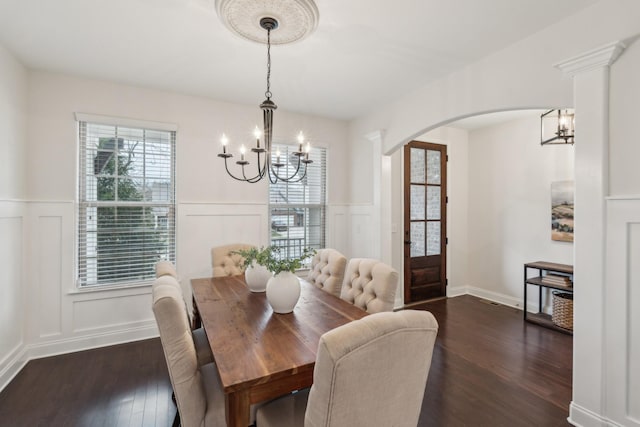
553	271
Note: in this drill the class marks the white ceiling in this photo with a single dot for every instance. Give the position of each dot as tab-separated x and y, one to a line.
364	52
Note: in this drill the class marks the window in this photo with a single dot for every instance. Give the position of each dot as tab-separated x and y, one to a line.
298	209
126	206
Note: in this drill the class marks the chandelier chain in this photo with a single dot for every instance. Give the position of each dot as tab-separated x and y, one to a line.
268	92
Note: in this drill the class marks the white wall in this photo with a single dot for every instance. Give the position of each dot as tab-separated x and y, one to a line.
212	208
510	176
13	208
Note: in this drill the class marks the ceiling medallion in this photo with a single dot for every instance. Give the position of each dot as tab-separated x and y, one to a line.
296	18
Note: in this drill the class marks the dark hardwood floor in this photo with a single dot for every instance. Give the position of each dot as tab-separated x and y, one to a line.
122	385
489	369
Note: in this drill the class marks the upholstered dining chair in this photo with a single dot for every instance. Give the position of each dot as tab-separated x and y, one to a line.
370	284
370	372
226	264
166	268
198	391
327	270
166	274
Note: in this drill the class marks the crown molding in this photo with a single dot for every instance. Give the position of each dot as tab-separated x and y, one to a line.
375	136
600	57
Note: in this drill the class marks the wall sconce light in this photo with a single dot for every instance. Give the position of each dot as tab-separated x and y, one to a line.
557	127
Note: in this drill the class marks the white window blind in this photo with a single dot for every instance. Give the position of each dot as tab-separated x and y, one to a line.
126	207
298	209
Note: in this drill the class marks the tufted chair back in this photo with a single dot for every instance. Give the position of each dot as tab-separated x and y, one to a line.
327	270
228	265
370	372
370	284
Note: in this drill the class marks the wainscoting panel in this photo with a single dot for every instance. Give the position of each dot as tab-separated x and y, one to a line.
12	316
99	315
61	318
203	226
337	228
49	235
633	323
622	312
362	231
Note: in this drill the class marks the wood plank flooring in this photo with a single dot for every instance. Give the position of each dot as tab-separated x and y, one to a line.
489	369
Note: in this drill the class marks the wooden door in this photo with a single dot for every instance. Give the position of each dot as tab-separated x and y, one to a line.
425	226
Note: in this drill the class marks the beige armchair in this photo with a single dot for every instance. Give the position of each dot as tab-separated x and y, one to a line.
327	270
166	275
370	284
225	264
198	390
370	372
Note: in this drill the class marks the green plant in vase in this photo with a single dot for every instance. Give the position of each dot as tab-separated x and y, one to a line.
276	264
256	273
259	255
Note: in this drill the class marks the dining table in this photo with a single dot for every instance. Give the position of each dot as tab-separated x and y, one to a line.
260	354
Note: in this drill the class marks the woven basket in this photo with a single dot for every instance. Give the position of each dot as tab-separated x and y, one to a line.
563	310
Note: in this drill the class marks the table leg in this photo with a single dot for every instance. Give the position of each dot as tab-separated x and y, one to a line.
238	406
196	322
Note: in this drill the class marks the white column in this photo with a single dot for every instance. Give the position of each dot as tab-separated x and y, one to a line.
381	198
590	72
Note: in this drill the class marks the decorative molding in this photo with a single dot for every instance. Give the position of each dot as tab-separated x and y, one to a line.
600	57
495	297
632	197
11	365
296	19
144	330
503	299
124	121
375	136
457	291
582	417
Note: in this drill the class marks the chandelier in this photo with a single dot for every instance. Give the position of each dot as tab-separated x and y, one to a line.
557	127
265	165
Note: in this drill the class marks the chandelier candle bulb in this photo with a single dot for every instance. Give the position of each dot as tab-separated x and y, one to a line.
224	140
242	151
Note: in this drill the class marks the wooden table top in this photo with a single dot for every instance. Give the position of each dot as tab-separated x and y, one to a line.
253	345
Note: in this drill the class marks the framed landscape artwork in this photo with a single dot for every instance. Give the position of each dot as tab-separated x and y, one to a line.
562	211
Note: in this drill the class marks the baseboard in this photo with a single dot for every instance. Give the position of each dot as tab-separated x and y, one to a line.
495	297
96	340
582	417
456	291
12	365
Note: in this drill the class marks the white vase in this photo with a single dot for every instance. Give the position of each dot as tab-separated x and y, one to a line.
283	292
257	276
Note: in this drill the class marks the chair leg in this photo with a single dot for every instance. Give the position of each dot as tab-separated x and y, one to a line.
176	420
